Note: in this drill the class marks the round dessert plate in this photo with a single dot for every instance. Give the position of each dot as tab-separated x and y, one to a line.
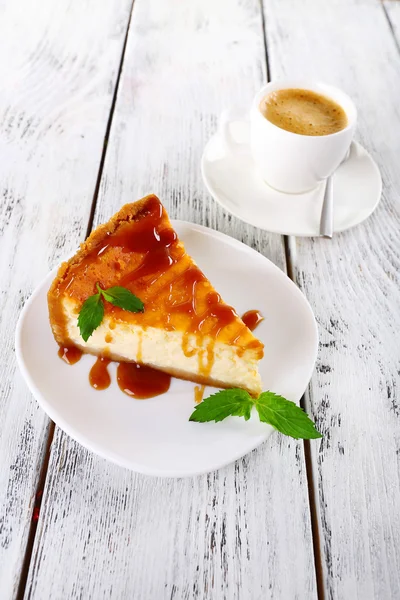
155	436
232	179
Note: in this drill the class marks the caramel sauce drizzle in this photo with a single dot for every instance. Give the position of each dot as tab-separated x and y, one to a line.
139	355
187	351
199	393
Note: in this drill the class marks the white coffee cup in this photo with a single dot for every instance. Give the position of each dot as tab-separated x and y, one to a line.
294	163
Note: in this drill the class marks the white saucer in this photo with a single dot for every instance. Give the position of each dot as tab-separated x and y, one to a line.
233	180
155	436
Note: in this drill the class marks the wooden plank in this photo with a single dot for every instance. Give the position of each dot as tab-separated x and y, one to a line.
106	532
352	283
57	71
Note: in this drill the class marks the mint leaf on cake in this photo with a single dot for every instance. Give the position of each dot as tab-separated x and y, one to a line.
92	311
120	296
90	316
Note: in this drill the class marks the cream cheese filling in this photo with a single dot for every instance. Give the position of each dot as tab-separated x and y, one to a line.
168	350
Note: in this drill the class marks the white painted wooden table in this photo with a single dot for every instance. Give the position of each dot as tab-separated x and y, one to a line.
101	103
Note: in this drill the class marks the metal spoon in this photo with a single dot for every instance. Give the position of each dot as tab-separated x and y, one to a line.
326	222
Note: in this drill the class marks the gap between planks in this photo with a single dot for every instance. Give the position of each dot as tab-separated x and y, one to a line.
391	26
312	488
35	514
52	426
290	253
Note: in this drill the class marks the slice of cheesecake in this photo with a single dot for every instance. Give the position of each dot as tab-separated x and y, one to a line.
186	328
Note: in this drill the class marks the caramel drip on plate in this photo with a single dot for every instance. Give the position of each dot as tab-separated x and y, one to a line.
69	354
141	381
252	318
99	377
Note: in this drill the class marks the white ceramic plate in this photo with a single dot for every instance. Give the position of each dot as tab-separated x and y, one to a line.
233	181
154	436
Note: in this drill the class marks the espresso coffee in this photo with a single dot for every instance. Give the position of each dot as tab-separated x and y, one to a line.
303	112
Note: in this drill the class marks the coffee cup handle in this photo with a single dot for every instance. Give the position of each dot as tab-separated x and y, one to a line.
229	116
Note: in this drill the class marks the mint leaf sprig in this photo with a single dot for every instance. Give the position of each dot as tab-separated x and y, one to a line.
92	311
282	414
90	316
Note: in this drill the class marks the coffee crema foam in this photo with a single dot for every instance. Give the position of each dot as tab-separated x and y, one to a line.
303	112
